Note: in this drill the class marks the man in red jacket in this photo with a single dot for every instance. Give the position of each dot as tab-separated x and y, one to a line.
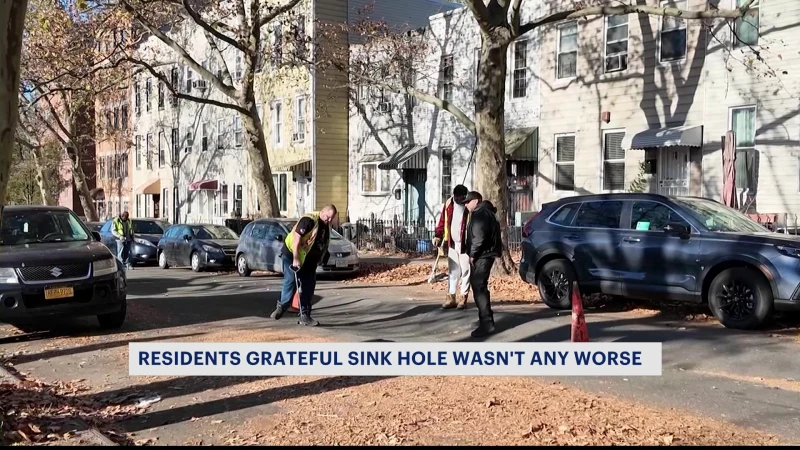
451	231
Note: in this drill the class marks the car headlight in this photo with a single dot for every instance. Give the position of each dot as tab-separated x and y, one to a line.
104	267
212	249
789	251
143	242
8	276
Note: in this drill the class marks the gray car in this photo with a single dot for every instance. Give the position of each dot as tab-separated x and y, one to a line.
664	248
261	243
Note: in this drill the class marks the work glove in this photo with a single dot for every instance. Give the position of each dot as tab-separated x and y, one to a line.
437	242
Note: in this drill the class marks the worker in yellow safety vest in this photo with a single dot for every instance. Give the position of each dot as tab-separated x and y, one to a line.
304	248
450	233
122	229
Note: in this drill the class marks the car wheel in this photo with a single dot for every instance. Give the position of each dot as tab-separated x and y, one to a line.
114	320
241	266
162	261
555	284
740	298
196	262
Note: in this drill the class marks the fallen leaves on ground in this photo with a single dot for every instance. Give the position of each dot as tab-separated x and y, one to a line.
35	412
478	411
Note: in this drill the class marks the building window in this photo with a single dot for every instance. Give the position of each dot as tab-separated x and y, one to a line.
565	163
176	145
102	166
175	83
447	78
237	199
277	45
743	124
568	50
165	203
221	134
162	153
160	95
673	33
383	102
447	173
279	182
300	38
299	134
520	78
746	27
374	180
187	146
116	117
224	200
206	137
124	119
237	72
148	155
148	89
137	100
189	201
616	43
189	75
138	147
613	161
138	206
238	134
277	123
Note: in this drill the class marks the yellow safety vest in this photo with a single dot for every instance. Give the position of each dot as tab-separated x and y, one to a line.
117	224
307	240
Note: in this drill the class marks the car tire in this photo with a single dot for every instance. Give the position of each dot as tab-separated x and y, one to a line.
162	260
195	261
114	320
241	266
556	294
740	298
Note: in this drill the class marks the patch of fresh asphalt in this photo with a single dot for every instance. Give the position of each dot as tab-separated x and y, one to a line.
177	303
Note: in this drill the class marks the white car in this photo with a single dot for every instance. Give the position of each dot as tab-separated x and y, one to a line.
261	242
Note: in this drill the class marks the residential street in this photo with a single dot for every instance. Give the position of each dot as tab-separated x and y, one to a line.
745	379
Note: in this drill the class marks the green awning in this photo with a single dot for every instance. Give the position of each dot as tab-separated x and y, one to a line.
372	158
408	157
522	144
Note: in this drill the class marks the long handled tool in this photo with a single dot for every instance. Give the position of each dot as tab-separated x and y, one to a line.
296	298
432	278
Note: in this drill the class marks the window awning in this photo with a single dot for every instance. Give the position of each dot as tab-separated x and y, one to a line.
522	144
408	157
685	136
301	165
152	187
372	158
204	185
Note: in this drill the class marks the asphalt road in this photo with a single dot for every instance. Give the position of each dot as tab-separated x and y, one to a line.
744	378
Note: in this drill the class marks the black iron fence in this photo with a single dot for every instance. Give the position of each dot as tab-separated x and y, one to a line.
399	236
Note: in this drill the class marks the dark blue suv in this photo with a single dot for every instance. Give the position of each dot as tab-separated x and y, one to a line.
669	248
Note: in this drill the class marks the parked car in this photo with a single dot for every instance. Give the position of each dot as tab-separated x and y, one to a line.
655	247
147	233
262	241
52	265
199	246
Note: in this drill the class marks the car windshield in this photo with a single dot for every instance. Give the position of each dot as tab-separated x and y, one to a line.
148	227
334	234
35	227
717	217
213	232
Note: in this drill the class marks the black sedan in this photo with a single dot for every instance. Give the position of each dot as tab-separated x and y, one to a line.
198	246
147	233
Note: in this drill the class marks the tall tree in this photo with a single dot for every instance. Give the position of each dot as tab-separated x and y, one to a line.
500	24
12	22
238	25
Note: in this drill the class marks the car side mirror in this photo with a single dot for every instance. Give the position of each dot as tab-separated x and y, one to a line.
187	238
677	229
96	236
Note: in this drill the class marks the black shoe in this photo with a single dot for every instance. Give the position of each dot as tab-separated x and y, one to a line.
307	321
485	329
277	313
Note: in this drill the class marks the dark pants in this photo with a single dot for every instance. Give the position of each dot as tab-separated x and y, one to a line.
307	278
479	282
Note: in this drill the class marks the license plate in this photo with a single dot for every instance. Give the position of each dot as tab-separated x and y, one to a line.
61	292
341	264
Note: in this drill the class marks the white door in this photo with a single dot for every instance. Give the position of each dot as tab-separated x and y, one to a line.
673	171
303	197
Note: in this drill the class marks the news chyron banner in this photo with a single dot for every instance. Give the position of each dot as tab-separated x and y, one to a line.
395	359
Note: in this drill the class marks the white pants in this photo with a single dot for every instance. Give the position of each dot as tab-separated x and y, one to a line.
457	267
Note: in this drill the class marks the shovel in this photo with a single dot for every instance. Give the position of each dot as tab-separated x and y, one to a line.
432	278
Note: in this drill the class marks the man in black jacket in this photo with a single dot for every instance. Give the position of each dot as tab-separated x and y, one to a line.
483	245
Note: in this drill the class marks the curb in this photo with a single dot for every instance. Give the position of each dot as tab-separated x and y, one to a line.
90	435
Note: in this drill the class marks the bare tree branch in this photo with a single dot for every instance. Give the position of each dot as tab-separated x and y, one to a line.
277	12
516	7
207	27
481	13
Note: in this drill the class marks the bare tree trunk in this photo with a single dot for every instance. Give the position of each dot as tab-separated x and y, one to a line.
490	163
259	162
79	178
12	20
41	180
